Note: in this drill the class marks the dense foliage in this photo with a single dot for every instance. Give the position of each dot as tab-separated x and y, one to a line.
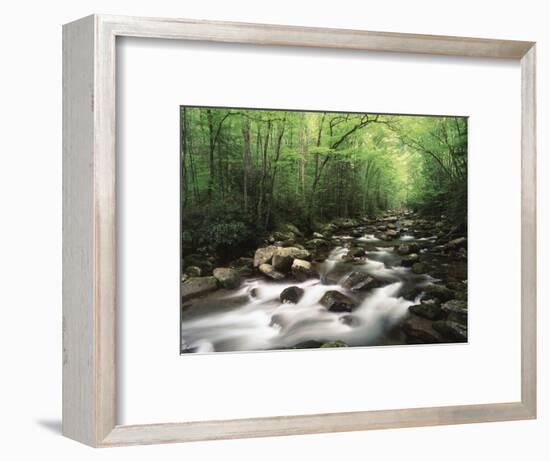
249	171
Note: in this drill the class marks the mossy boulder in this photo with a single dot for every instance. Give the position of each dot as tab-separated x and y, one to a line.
360	281
456	310
264	255
269	271
437	291
429	309
316	243
197	286
228	278
331	344
453	331
420	268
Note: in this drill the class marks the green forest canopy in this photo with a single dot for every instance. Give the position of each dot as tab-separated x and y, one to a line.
247	171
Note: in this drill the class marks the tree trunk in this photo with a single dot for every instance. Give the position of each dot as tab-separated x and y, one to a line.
246	161
264	175
274	174
184	150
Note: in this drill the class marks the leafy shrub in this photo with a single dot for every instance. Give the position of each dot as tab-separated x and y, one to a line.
222	228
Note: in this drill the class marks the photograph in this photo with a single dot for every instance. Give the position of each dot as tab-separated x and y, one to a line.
313	229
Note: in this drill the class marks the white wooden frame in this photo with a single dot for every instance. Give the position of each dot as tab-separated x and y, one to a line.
89	234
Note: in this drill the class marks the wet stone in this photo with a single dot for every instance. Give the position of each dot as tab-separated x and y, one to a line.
409	260
269	271
420	331
335	301
454	331
456	310
430	309
228	278
439	292
359	281
197	286
264	255
291	295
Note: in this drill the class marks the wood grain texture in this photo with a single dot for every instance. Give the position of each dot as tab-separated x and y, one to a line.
269	34
105	227
529	232
79	356
89	230
313	424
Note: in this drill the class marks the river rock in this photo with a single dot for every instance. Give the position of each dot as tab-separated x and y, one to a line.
429	309
334	344
403	249
409	291
456	310
245	262
198	260
326	229
197	286
302	269
291	228
309	344
391	234
350	320
264	255
420	268
360	281
293	252
439	292
346	223
269	271
244	266
335	275
420	331
356	252
456	243
317	235
193	271
283	257
461	295
409	260
278	320
451	330
317	243
227	278
335	301
281	236
320	255
282	263
291	295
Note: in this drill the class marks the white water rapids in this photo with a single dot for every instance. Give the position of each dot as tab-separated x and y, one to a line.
252	317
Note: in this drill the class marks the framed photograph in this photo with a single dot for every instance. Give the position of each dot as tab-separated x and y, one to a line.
274	230
302	235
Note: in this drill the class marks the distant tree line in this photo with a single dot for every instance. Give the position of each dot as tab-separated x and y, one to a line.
245	172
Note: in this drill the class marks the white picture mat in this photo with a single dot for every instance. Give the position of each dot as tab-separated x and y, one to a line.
156	384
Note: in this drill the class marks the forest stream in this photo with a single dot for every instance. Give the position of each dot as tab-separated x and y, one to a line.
395	279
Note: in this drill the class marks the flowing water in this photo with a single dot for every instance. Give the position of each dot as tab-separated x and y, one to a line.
252	317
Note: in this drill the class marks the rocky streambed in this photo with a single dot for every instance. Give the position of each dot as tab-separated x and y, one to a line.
396	279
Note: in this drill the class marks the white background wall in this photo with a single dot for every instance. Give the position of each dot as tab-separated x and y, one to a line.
30	243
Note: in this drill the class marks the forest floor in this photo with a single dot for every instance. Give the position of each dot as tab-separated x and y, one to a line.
395	279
